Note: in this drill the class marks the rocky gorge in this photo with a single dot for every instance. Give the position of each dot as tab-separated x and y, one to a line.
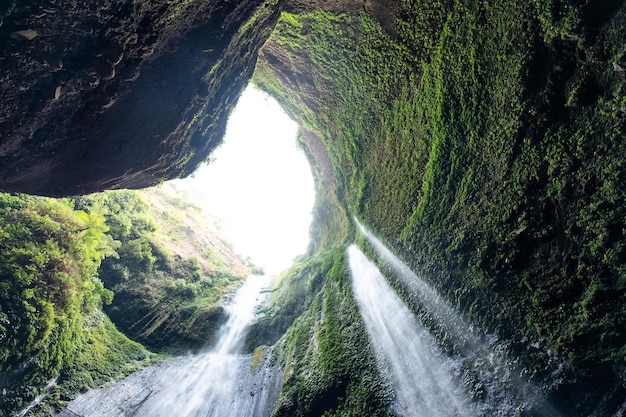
482	142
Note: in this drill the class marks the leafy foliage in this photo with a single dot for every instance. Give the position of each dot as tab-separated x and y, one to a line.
172	270
48	265
292	295
330	367
52	327
50	291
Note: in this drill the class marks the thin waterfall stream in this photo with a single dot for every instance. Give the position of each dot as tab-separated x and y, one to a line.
427	381
220	382
424	378
479	380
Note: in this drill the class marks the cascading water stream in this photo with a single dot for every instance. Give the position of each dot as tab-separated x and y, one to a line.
501	390
424	378
217	383
445	316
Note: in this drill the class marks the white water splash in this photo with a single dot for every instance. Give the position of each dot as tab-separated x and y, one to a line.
423	377
217	383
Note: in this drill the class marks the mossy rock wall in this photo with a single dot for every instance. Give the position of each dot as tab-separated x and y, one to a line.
484	142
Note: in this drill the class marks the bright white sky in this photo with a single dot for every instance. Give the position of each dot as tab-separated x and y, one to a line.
258	183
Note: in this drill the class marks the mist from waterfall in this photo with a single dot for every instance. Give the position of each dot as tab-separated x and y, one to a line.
494	382
220	382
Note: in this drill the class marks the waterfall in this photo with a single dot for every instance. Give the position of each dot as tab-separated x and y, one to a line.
424	378
424	295
220	382
492	380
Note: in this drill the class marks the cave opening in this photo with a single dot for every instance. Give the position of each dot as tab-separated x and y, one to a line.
258	184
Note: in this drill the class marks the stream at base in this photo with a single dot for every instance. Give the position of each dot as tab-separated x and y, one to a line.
220	382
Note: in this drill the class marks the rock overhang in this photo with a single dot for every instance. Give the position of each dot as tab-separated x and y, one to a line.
112	95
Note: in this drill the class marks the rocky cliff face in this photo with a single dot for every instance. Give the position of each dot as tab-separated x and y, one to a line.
125	94
109	94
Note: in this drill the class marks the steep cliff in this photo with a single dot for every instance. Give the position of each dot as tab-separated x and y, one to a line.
53	332
153	262
172	271
484	143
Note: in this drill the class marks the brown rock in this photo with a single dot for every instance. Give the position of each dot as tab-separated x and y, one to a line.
146	89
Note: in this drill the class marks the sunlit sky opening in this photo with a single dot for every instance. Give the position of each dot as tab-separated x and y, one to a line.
258	183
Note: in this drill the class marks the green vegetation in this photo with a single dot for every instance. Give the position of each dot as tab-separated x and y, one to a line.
482	140
51	326
62	260
257	357
486	139
330	369
172	270
292	295
177	7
